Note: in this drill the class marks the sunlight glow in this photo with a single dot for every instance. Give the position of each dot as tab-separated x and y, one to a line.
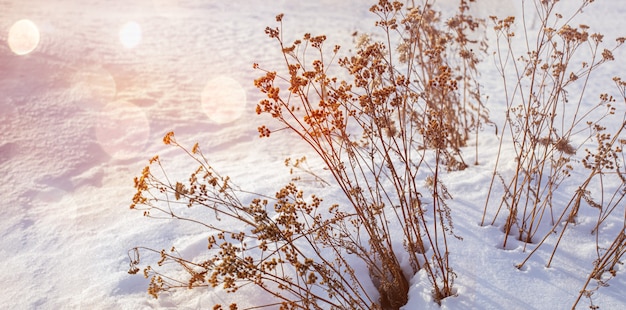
95	86
122	129
130	35
23	37
223	99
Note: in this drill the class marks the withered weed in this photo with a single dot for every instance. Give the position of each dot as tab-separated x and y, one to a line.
387	122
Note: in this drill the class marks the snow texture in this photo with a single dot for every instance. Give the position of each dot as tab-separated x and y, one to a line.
82	113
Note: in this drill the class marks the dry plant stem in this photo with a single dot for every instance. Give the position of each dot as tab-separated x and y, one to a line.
515	201
543	154
606	262
325	147
542	129
224	202
375	131
571	210
599	165
386	134
575	203
301	165
500	67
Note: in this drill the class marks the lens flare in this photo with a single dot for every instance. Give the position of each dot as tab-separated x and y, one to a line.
95	86
130	35
122	130
23	37
223	100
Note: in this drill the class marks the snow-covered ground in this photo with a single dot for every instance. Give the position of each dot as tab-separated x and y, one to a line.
82	113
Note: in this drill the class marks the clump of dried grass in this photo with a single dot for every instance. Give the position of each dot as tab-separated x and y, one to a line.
375	129
386	133
386	129
548	122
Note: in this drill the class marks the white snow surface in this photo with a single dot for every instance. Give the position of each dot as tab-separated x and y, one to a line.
81	115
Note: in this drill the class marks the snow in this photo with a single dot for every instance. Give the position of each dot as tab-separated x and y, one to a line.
83	112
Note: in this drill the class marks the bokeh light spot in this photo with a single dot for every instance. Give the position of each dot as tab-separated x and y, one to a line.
23	37
130	35
94	86
122	130
223	99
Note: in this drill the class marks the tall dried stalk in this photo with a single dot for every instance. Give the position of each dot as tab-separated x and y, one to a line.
375	131
285	245
541	122
549	120
386	134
